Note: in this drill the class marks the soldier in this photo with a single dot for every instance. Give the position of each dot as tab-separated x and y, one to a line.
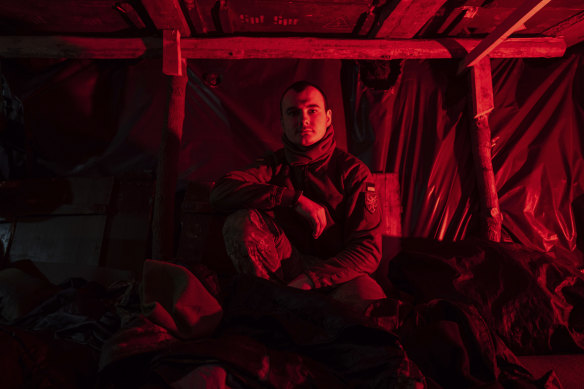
307	215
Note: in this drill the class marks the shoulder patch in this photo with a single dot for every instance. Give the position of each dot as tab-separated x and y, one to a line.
371	202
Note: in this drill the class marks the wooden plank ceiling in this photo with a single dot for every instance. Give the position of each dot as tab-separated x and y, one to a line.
297	28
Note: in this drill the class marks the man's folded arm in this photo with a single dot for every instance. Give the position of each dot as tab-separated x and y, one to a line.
362	251
250	188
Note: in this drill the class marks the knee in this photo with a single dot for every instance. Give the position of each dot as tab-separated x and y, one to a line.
240	224
360	292
249	243
247	230
364	287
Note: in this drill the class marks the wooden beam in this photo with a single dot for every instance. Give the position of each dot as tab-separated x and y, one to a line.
167	15
197	20
380	49
502	31
571	30
171	53
241	48
79	47
459	18
482	88
482	94
128	11
163	220
408	17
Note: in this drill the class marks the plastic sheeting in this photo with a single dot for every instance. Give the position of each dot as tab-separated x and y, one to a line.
537	148
106	117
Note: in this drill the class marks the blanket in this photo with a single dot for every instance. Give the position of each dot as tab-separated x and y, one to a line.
456	316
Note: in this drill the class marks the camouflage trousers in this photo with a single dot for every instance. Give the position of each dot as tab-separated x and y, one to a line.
258	246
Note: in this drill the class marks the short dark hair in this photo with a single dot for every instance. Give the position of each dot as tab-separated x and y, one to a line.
298	87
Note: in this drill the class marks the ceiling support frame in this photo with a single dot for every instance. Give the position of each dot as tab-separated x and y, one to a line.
168	17
163	219
490	216
271	48
502	31
571	30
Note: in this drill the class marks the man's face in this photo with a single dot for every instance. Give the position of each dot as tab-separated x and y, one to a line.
304	118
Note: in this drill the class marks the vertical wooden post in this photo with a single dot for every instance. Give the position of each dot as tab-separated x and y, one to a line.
388	194
167	169
482	93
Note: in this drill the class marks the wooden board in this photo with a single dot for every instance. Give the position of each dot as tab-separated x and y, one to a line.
315	48
62	16
571	30
482	88
502	31
268	48
388	190
268	16
167	15
556	12
408	17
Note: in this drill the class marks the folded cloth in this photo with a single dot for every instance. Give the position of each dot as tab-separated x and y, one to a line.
175	299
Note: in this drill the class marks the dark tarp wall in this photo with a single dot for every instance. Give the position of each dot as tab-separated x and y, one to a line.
539	148
105	118
230	125
90	117
538	144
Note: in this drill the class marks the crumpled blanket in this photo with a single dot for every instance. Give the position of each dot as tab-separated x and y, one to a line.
456	317
535	303
269	335
56	343
175	299
282	337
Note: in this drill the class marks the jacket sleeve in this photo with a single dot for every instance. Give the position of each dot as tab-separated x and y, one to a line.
250	188
362	236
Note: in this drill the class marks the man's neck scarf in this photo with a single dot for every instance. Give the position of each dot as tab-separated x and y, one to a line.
306	155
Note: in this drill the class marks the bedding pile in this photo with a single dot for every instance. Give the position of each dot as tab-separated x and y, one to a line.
456	316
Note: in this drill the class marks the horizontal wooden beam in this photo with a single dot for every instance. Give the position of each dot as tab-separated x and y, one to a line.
374	49
79	47
502	31
242	48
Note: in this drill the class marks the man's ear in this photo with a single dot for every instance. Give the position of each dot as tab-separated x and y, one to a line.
329	117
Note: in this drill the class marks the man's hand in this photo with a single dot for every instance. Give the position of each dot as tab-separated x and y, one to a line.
314	213
302	282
